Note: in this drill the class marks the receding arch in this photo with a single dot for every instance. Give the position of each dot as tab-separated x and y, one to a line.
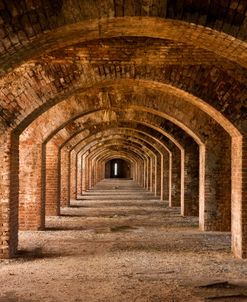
202	37
238	161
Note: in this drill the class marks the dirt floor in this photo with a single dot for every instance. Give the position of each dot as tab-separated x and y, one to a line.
118	243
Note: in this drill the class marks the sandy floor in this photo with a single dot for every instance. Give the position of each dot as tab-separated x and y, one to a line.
120	244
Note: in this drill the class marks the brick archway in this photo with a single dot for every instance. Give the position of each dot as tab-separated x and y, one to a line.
209	82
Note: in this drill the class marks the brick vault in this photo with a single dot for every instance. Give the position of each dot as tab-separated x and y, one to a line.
158	85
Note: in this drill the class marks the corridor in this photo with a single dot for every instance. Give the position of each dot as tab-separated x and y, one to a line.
123	151
118	242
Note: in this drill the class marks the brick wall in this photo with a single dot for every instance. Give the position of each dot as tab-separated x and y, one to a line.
73	70
52	203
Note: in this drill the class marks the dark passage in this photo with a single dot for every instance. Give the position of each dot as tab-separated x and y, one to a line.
117	168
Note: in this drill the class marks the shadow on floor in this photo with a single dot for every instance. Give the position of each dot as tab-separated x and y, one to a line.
36	253
12	297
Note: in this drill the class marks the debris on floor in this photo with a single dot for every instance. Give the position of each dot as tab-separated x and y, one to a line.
122	247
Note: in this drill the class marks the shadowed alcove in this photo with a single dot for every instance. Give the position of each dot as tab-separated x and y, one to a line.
117	168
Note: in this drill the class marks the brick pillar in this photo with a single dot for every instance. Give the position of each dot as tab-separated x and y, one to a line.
84	180
141	173
52	202
79	171
145	174
161	171
73	174
32	178
153	178
154	181
239	197
135	172
135	168
65	177
190	206
215	211
244	199
176	179
158	176
102	170
167	177
9	160
94	173
90	172
98	169
150	174
86	173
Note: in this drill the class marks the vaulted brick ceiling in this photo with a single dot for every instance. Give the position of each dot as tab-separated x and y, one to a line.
42	38
165	75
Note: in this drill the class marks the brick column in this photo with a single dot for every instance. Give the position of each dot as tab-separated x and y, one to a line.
102	170
79	171
244	199
167	177
84	173
176	179
52	202
239	197
90	172
145	174
215	210
32	179
141	173
99	169
73	174
9	160
64	177
158	172
155	175
152	176
190	206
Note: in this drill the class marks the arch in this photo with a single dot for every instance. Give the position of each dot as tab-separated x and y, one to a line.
202	37
234	128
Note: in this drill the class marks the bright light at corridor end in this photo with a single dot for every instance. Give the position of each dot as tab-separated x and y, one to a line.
115	169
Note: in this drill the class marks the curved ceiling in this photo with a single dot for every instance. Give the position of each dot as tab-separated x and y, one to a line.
160	77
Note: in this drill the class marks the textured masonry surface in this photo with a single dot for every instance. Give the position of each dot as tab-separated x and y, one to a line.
159	84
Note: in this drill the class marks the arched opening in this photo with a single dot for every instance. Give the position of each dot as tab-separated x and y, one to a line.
123	128
84	75
117	168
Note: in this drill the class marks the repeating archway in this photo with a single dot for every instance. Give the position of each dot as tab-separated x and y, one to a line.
43	84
